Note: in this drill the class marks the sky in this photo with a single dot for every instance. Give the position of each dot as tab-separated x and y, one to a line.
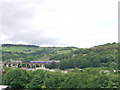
78	23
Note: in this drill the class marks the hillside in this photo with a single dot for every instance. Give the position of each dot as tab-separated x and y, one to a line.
99	56
27	53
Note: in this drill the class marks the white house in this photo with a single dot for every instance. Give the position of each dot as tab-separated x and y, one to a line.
2	87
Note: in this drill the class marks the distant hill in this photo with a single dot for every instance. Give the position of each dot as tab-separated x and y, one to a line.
98	56
30	52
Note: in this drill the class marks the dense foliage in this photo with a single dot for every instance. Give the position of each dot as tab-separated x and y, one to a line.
100	56
88	78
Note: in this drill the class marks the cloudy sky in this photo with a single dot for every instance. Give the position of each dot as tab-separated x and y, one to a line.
79	23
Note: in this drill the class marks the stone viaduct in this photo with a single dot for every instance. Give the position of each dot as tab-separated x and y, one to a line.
31	64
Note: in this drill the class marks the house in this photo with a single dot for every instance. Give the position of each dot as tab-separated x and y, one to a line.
65	72
104	71
2	87
16	61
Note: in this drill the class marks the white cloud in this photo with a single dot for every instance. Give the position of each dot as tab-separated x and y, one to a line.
81	23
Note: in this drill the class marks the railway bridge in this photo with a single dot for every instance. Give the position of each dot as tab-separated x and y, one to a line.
31	64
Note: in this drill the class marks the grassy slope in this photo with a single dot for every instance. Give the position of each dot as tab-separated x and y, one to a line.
45	55
56	50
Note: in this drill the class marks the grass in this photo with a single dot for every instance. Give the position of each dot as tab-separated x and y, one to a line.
19	49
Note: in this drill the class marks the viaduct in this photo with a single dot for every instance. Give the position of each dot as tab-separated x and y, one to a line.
31	64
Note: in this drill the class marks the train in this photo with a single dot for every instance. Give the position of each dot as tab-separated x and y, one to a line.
44	61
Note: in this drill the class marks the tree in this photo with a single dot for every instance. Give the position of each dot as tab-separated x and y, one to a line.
36	79
52	65
76	80
53	80
16	78
36	82
106	81
113	65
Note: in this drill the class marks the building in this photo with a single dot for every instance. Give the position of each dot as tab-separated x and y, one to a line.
2	87
16	61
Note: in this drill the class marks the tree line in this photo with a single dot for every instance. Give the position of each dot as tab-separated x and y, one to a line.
17	45
18	78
